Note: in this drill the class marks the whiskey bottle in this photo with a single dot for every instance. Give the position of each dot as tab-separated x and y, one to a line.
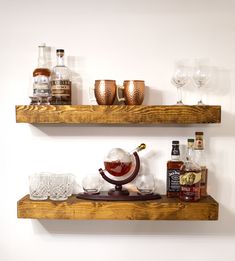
200	159
190	177
41	78
61	91
173	171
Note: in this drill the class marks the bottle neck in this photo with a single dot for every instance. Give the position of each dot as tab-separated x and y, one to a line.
199	157
175	157
190	154
41	57
142	146
60	60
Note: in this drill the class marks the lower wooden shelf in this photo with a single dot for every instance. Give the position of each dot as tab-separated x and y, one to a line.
161	209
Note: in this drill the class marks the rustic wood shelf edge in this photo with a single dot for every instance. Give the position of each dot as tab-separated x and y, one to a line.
118	114
162	209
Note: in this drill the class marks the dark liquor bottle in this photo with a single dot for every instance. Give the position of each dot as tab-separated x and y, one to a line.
190	177
61	91
173	171
41	78
200	159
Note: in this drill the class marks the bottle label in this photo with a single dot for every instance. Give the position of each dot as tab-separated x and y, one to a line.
199	144
61	88
175	150
204	176
190	178
173	177
41	86
61	92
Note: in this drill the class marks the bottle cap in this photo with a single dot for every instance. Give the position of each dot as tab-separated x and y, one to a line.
41	45
198	133
190	140
175	142
60	51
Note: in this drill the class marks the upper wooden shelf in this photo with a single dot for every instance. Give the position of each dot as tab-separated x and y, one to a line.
118	114
160	209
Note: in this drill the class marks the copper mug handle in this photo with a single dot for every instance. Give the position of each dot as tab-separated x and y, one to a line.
133	92
120	99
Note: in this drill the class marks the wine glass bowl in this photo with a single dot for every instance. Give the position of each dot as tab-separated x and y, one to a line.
201	76
179	79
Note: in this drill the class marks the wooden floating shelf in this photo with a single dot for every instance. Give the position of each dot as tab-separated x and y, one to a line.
161	209
118	114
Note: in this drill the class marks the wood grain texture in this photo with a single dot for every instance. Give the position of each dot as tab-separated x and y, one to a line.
161	209
117	114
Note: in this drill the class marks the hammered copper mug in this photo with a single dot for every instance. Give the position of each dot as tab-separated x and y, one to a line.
133	91
105	91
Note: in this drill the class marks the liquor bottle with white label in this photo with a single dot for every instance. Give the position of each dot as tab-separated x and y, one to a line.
61	90
190	177
173	171
41	78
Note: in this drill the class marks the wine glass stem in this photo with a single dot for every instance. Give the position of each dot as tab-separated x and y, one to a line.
200	94
179	93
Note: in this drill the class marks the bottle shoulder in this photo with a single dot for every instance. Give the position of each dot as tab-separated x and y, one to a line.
190	166
174	164
60	72
200	157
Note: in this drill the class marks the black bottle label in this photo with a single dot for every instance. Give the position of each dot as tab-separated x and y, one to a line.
175	150
173	180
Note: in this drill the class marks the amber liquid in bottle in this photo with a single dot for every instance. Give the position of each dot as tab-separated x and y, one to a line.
41	71
41	79
190	185
173	171
190	177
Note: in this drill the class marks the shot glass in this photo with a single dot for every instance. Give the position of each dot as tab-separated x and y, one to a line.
145	184
92	184
39	186
58	187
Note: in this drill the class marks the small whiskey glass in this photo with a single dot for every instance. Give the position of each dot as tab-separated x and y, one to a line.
39	186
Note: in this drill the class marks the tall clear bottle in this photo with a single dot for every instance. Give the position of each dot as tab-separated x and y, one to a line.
173	171
41	78
200	159
190	176
61	90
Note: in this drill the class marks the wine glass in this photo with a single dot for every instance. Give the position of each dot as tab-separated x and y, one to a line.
201	75
179	79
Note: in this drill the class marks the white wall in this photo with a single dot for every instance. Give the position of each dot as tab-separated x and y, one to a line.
117	40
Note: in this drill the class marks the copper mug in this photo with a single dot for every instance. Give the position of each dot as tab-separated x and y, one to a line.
133	92
105	91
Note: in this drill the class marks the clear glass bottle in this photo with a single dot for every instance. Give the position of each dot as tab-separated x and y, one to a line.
173	171
61	90
190	176
200	159
41	78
